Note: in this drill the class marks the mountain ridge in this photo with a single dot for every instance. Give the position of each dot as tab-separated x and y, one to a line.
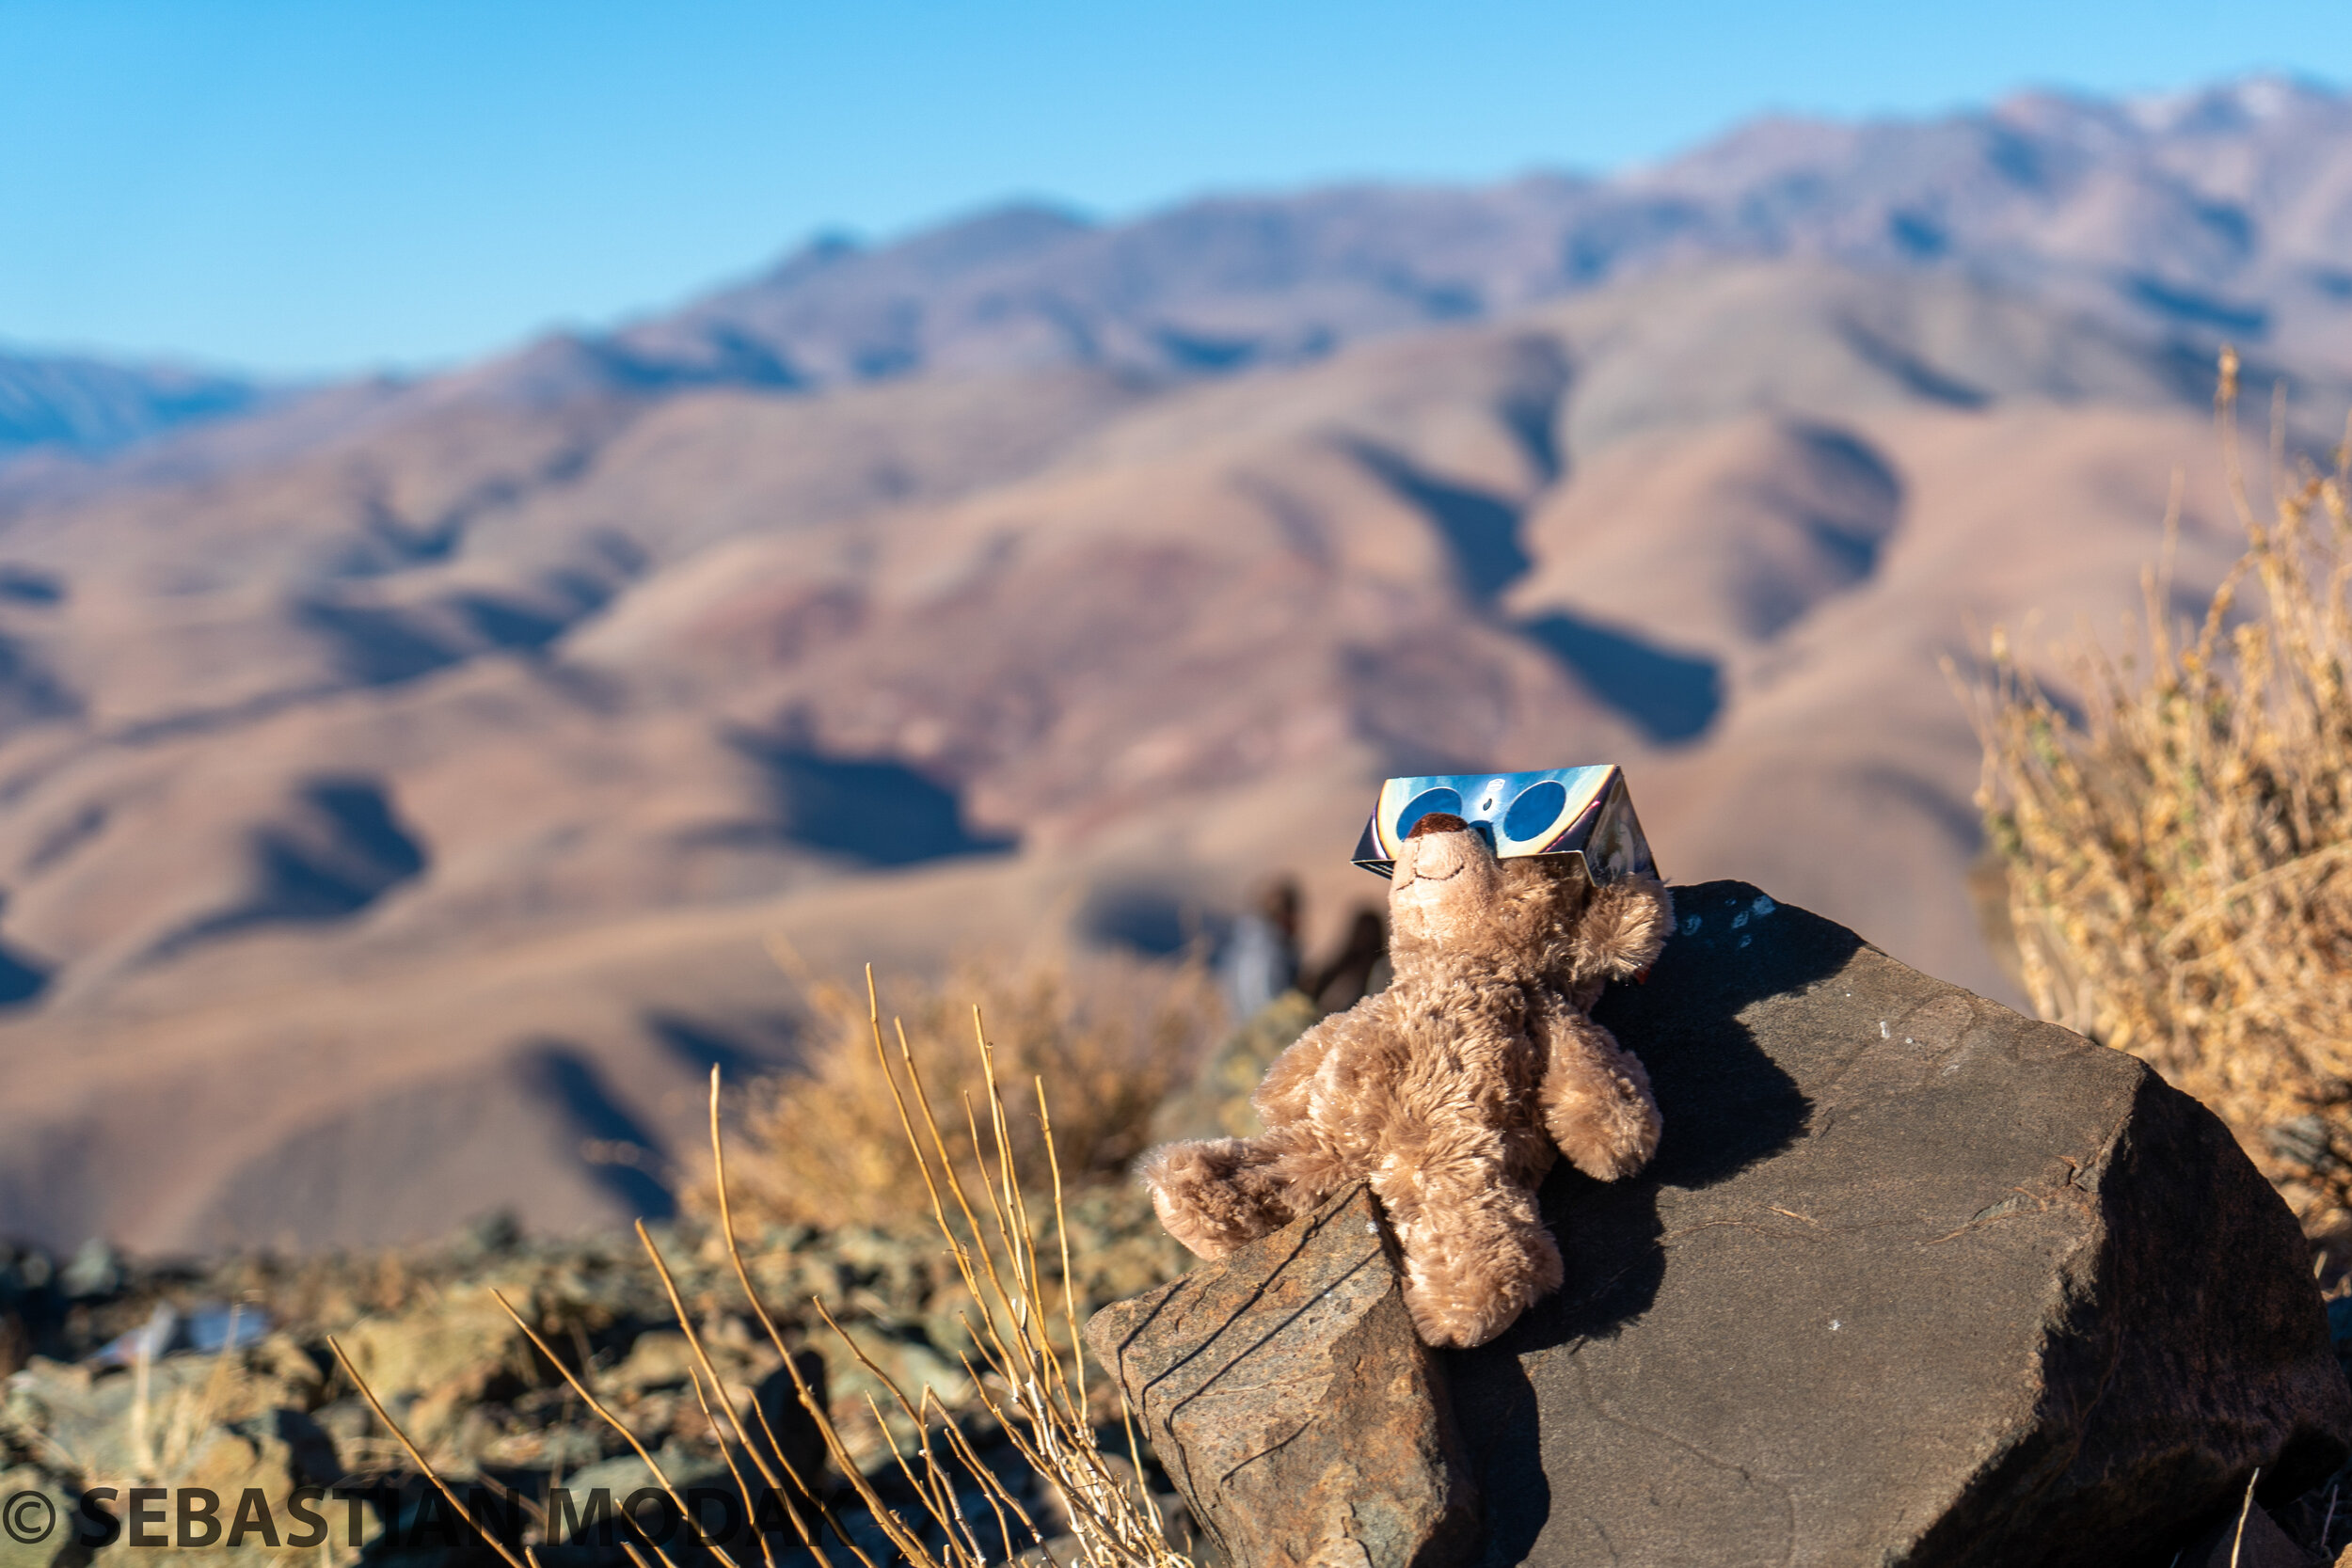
2214	213
89	407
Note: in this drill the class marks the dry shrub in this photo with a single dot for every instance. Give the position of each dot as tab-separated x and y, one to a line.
1110	1039
2180	861
1031	1379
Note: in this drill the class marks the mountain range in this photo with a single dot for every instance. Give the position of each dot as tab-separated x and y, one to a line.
402	782
65	403
2220	212
2225	212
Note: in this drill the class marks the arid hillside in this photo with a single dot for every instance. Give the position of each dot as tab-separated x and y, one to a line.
392	826
399	783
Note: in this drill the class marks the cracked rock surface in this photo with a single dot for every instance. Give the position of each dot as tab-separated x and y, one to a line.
1285	1393
1913	1279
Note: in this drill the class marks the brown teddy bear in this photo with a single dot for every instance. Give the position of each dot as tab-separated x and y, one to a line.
1451	1091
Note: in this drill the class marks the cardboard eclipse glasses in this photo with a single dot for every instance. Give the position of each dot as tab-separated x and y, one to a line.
1582	812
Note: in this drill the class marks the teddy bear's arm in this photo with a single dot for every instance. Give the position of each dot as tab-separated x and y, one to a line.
1284	1094
1596	1100
1621	930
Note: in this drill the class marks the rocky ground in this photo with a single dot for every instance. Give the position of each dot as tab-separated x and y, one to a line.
261	1402
217	1380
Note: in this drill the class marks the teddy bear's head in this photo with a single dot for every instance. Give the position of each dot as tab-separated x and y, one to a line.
1453	904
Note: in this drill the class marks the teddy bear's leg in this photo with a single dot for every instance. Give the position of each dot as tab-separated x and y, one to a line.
1476	1251
1596	1098
1215	1194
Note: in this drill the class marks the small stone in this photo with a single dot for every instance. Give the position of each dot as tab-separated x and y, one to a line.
2250	1539
661	1358
1288	1398
454	1347
96	1270
796	1440
494	1234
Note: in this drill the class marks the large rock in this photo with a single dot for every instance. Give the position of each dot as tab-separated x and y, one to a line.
1912	1280
434	1362
1283	1389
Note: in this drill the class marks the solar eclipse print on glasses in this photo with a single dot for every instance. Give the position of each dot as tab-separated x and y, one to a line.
1583	811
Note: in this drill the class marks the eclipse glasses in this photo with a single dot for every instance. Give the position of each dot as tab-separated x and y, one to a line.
1583	811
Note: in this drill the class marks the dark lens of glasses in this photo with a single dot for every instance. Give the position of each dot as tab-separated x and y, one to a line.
1421	805
1536	809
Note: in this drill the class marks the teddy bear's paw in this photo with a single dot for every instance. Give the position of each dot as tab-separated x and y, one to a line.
1476	1292
1624	928
1607	1137
1213	1194
1202	1240
1452	1318
1604	1120
1447	1322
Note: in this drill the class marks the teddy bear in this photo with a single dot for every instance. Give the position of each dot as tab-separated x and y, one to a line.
1451	1091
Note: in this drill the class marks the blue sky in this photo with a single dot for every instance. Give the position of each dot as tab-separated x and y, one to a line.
335	184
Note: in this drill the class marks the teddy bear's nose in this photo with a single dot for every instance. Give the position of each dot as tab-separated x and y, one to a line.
1438	822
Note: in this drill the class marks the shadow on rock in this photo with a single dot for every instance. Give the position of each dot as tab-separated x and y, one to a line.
1727	1106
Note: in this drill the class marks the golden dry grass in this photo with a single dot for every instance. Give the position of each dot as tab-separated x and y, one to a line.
1028	1366
2180	857
825	1145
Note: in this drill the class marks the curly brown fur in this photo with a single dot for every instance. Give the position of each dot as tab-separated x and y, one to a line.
1623	928
1597	1104
1453	1091
1215	1194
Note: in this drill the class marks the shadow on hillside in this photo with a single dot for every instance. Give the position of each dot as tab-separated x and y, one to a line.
374	646
339	850
1913	371
1481	530
740	1052
29	691
621	1154
1671	696
23	977
876	811
1147	919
